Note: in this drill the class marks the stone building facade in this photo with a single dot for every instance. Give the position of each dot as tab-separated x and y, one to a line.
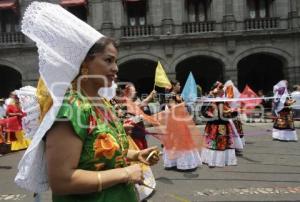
254	42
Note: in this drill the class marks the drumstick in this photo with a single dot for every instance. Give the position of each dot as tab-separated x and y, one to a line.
150	155
144	184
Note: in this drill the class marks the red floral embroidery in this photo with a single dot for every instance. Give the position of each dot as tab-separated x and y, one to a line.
103	114
92	124
221	142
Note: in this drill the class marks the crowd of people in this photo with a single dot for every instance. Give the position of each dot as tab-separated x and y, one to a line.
108	157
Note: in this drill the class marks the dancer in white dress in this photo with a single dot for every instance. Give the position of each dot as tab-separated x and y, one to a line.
283	128
188	158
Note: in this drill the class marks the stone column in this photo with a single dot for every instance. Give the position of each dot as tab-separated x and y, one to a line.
229	23
292	74
167	21
107	25
231	74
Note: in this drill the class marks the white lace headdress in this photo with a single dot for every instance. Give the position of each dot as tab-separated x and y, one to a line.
63	42
236	94
280	95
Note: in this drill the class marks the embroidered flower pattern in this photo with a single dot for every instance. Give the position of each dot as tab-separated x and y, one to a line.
92	124
218	136
222	129
105	146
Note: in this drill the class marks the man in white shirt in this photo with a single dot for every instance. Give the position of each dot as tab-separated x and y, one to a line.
296	106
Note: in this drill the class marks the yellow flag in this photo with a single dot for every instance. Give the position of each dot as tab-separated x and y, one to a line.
161	79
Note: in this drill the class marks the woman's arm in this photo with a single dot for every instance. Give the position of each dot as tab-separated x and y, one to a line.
63	149
145	101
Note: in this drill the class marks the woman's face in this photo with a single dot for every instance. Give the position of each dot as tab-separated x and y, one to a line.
177	87
131	92
103	67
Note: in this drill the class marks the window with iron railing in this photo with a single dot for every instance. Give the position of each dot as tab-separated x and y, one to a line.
136	13
261	23
259	8
197	17
10	29
260	15
137	24
9	21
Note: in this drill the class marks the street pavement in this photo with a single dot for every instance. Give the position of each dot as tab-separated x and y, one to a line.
268	171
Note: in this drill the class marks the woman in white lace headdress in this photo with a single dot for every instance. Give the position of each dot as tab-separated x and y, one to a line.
283	128
219	133
79	146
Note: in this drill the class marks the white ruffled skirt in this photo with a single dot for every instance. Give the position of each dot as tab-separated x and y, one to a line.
215	158
285	135
184	160
239	143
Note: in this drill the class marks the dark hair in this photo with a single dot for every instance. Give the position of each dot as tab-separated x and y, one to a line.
295	87
119	92
218	85
174	82
100	45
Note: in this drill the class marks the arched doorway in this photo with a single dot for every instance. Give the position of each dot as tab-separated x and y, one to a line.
206	71
260	71
10	79
141	72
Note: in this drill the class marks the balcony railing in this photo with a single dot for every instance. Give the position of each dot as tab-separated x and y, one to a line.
11	38
137	31
261	23
196	27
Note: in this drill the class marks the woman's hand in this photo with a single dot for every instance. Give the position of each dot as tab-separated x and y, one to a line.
291	101
134	174
144	154
153	94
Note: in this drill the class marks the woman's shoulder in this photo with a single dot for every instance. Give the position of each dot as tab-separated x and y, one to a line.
73	96
76	100
76	109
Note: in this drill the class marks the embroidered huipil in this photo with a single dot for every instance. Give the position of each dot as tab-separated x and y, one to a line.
104	147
